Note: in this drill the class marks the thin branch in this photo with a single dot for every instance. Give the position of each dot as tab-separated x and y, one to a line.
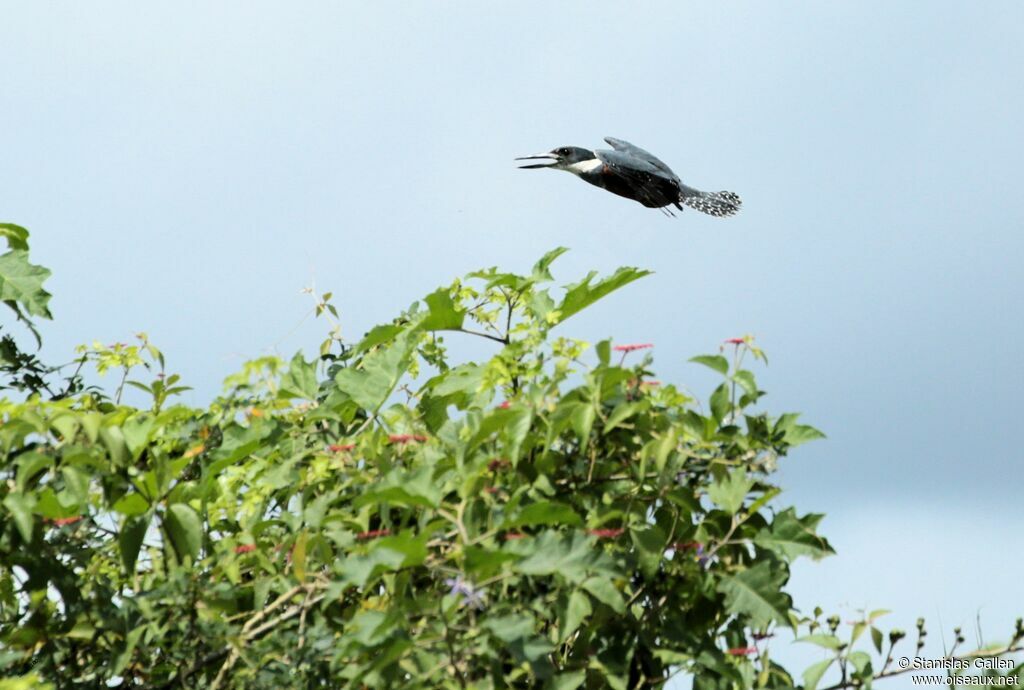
503	341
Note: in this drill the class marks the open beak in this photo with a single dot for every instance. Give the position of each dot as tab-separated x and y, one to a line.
549	160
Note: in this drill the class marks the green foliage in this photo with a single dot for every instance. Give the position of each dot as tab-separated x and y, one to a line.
389	518
21	289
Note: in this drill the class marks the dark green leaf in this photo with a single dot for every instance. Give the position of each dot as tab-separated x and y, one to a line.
185	530
757	594
814	672
584	293
730	492
22	283
20	507
443	313
129	541
300	379
544	513
790	536
716	362
371	383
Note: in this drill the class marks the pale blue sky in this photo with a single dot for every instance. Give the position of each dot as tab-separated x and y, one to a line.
186	168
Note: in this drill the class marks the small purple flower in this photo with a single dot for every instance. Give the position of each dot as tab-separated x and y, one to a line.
470	594
701	557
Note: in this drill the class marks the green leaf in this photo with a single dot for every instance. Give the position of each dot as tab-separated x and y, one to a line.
729	493
20	507
544	513
792	433
299	556
746	381
802	433
300	379
22	283
415	488
814	672
605	592
567	681
576	611
371	383
131	504
757	593
830	642
113	439
412	548
76	482
443	313
876	638
650	544
571	556
16	236
510	628
129	541
185	530
582	421
359	570
716	362
861	661
622	412
30	465
541	274
721	403
580	295
790	536
136	432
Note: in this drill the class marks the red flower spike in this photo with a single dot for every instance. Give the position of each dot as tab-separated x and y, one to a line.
373	534
632	347
741	651
406	438
341	447
608	533
511	536
60	522
684	545
245	548
734	341
505	405
496	464
491	489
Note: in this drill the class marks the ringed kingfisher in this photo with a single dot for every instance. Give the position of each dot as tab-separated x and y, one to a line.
631	172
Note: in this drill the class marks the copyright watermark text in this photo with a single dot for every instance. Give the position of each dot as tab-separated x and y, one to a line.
958	666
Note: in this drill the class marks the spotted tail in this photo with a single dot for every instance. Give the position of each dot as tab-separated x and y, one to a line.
713	203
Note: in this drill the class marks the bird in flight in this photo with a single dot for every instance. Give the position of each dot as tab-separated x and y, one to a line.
631	172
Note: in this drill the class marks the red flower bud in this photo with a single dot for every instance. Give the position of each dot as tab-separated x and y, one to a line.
406	438
632	347
373	534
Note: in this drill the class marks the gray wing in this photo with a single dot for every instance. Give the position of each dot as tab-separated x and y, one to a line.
657	187
637	152
631	166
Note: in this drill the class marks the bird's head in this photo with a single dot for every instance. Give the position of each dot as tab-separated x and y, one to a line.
558	159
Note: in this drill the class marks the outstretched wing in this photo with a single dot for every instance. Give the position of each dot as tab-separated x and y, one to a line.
637	152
